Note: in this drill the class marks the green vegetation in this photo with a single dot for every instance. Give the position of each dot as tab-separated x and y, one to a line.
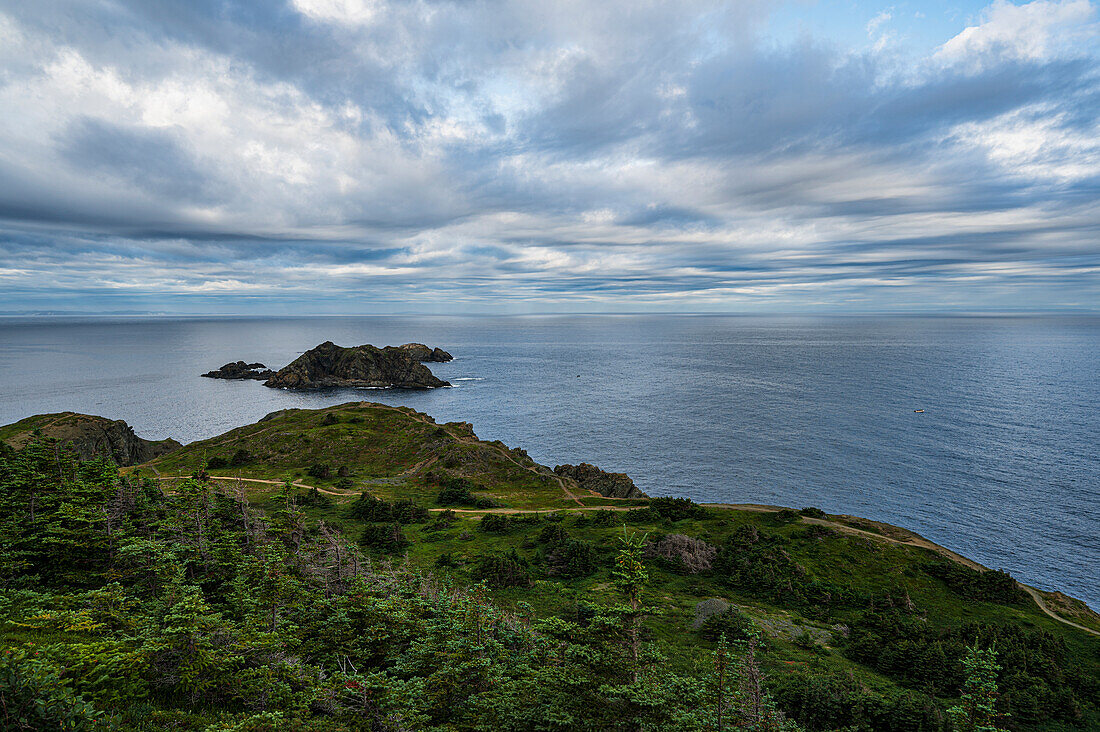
138	604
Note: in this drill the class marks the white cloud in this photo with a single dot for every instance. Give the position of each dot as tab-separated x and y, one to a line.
347	12
1035	30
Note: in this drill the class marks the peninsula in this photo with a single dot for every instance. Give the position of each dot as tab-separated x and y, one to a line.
315	563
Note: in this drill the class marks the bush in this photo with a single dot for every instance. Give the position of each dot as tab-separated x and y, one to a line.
501	570
570	558
784	517
456	492
731	623
314	498
640	516
603	519
385	538
675	509
374	510
33	697
812	512
240	457
684	554
408	512
216	462
990	586
320	470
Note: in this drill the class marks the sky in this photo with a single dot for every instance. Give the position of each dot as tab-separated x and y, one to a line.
368	156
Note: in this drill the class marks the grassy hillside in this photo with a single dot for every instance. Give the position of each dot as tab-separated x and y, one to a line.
389	451
863	625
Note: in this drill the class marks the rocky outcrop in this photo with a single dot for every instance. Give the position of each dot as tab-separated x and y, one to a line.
329	365
611	485
426	353
89	436
241	370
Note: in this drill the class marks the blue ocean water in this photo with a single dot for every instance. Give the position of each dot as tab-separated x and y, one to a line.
1002	466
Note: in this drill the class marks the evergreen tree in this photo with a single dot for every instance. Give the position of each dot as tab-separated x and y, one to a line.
976	710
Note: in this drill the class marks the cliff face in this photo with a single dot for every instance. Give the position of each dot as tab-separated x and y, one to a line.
330	365
426	353
612	485
90	437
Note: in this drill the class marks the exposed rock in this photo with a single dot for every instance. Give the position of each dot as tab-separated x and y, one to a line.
89	436
330	365
426	353
241	370
611	485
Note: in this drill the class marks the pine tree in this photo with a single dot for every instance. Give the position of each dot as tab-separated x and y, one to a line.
976	711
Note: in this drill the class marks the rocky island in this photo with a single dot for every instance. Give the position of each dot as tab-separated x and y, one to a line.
239	370
329	365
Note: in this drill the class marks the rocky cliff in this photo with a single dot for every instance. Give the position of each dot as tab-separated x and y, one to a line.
89	436
612	485
330	365
426	353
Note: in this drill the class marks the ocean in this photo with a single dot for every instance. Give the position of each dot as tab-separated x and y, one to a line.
1001	466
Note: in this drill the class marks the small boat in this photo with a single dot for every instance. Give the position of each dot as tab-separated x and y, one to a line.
919	411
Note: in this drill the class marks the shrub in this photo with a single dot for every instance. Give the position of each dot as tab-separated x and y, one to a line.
320	470
784	517
675	509
408	512
344	484
503	523
500	570
374	510
314	498
989	586
603	518
369	508
456	492
552	534
385	538
342	471
329	419
684	554
240	457
731	623
570	558
812	512
216	462
33	697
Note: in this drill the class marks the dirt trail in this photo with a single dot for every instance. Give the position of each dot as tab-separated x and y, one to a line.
1038	598
911	539
233	478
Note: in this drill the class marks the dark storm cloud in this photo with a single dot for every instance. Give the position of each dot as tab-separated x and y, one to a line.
597	155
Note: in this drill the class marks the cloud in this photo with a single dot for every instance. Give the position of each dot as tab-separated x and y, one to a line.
345	153
1032	31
